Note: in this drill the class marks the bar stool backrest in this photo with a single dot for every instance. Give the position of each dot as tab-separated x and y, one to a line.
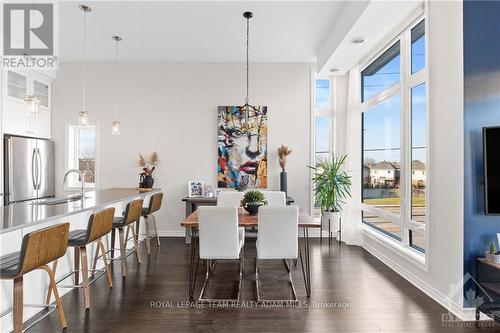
43	246
100	224
155	203
133	211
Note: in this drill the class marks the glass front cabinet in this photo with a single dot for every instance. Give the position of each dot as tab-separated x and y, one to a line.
17	119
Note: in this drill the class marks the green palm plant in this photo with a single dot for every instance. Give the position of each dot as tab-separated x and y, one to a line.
332	185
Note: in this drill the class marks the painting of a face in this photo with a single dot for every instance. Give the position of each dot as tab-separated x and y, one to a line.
242	147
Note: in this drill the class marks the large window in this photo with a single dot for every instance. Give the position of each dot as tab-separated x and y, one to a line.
394	135
82	149
323	123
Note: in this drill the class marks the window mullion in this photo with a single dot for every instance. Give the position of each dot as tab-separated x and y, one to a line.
405	188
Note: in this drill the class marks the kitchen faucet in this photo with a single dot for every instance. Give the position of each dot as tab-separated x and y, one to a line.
82	179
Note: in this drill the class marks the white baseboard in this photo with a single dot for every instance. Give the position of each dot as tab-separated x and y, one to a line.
176	233
458	310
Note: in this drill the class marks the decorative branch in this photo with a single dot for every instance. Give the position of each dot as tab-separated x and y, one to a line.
283	152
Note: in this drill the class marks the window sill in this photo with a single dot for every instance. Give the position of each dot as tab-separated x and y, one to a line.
411	255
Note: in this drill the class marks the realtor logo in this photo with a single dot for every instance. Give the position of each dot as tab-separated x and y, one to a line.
28	36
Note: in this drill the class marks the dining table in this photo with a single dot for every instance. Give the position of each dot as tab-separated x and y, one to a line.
245	219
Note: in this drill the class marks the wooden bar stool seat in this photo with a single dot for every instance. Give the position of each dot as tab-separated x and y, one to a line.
126	222
99	225
37	250
147	214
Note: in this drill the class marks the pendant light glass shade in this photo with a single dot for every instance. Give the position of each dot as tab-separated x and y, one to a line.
32	105
115	127
83	118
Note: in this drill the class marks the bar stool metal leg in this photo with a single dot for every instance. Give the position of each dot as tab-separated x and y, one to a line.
121	233
136	242
77	265
156	230
148	236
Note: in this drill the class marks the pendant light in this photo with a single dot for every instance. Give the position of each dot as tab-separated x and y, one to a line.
247	108
32	105
32	102
115	124
83	116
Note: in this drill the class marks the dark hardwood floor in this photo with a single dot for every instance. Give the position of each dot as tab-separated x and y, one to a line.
352	292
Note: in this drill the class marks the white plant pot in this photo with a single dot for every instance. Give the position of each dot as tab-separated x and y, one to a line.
494	258
332	219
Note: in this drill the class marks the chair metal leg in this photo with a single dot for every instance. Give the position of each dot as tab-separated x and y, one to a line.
18	305
123	245
156	230
210	271
257	289
85	276
60	310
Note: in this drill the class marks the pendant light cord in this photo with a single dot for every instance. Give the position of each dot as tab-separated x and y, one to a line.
84	79
248	29
116	78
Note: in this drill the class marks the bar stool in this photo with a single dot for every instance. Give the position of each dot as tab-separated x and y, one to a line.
37	250
132	214
99	225
147	212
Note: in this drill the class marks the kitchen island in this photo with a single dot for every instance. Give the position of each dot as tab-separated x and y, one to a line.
18	219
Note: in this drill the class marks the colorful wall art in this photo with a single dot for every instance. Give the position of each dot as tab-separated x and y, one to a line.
242	147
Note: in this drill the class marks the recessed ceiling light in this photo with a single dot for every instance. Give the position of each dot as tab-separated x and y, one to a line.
334	70
358	42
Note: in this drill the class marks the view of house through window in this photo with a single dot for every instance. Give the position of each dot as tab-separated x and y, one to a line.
82	144
394	108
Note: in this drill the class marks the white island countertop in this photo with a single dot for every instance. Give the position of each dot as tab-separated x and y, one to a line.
26	214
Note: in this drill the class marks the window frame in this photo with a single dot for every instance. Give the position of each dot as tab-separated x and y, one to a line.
68	187
321	112
404	87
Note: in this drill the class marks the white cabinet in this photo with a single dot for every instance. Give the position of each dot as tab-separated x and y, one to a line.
16	120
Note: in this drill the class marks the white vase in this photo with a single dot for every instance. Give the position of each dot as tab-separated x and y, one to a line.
331	219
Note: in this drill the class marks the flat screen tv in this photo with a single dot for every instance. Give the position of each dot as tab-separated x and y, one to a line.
491	143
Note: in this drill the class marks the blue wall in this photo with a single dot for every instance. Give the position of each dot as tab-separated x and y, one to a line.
482	108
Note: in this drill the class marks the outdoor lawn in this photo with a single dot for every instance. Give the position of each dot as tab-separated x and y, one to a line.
393	201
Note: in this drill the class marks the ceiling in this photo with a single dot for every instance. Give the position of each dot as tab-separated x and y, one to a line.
206	31
376	23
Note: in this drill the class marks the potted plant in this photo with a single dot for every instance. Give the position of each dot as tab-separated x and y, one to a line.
493	255
148	167
252	200
332	185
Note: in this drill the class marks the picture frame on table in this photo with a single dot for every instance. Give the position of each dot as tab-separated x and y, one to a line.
195	189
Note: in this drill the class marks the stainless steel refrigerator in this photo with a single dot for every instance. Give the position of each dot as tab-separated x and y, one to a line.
28	168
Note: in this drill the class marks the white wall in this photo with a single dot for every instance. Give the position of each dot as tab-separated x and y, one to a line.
442	278
172	109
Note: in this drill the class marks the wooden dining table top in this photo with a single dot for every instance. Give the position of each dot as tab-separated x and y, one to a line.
247	220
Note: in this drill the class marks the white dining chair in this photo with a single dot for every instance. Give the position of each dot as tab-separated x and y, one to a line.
229	199
275	198
220	238
277	238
